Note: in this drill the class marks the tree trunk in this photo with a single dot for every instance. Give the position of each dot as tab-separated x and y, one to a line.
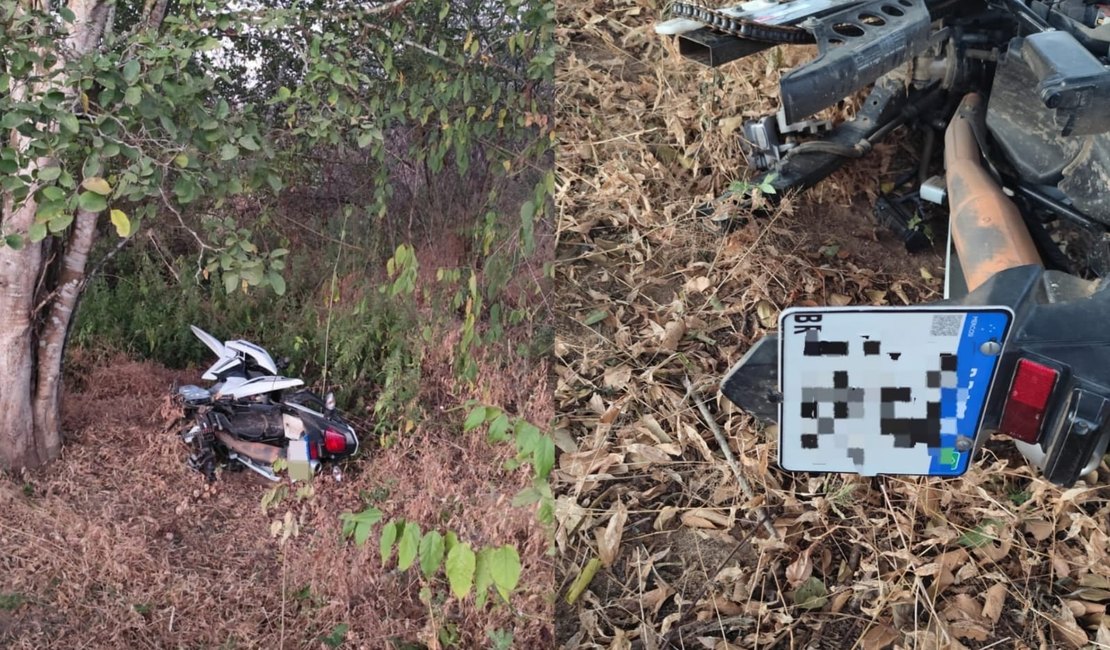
48	390
19	271
31	347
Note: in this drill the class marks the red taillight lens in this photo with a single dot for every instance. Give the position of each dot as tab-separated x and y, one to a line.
1023	415
334	442
313	450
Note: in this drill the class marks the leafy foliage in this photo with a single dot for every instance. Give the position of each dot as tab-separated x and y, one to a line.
374	346
533	446
466	570
334	639
224	100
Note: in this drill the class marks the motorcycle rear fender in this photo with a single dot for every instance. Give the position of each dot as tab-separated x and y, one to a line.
313	424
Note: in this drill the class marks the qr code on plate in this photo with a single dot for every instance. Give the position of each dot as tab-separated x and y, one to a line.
947	325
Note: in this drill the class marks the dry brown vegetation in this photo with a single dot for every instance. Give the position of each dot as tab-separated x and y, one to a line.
119	545
649	297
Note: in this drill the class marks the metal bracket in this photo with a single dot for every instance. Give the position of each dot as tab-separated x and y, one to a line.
858	45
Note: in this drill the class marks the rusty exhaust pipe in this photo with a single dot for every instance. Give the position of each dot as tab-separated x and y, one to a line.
253	450
987	229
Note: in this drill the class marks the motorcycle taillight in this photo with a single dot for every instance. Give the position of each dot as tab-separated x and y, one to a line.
334	441
1027	401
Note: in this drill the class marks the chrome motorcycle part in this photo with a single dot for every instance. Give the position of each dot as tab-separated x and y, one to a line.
934	190
263	471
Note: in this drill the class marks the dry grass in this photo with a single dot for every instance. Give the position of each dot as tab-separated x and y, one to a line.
119	545
648	297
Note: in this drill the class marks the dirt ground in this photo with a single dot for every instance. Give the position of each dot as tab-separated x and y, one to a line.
119	545
654	307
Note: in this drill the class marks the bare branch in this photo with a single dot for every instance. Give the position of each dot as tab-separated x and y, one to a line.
722	442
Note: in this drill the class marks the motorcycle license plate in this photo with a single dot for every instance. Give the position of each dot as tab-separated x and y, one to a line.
885	390
300	465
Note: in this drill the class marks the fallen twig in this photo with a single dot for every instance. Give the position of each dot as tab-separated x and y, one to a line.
745	486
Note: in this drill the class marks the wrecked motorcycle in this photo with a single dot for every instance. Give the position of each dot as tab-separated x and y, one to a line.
1014	97
251	417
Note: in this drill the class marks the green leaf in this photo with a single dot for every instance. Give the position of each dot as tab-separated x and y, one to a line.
543	457
527	225
408	546
504	568
283	93
181	160
131	71
498	429
14	242
767	186
431	552
228	151
389	535
185	189
277	282
483	580
362	533
475	418
37	232
91	202
526	497
121	222
12	120
60	222
811	594
460	569
49	210
527	437
247	142
231	282
69	123
595	316
49	173
97	184
369	516
133	96
336	637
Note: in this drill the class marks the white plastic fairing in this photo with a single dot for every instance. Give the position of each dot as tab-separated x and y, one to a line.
212	342
260	355
189	435
236	388
294	426
222	364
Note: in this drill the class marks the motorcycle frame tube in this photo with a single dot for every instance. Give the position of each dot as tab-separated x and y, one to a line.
987	229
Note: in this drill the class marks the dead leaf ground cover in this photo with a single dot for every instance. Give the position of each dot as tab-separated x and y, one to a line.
119	545
648	298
